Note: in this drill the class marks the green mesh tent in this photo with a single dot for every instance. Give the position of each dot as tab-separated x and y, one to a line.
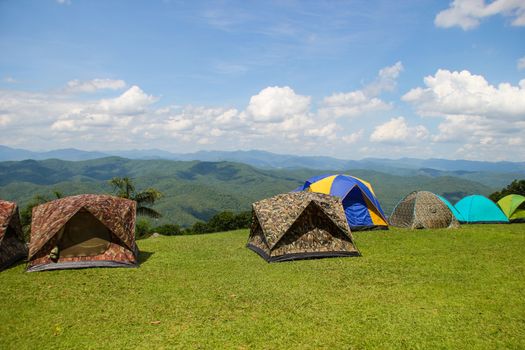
513	206
422	209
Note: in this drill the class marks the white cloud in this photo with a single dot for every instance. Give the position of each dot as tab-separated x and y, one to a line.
77	86
353	137
64	2
478	117
358	102
179	124
275	104
386	80
10	80
4	120
396	130
132	101
327	131
467	14
521	63
351	104
277	119
462	93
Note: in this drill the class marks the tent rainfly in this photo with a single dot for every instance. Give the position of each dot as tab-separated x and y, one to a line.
453	209
12	246
477	209
300	225
513	206
83	231
361	207
422	209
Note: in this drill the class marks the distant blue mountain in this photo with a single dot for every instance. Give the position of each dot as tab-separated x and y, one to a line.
72	154
263	159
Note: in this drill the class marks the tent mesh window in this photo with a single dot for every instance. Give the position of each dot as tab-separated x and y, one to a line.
403	213
84	235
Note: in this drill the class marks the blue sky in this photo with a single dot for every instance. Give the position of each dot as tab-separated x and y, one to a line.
350	79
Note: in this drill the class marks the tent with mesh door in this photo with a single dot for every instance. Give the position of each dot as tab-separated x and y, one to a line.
513	206
12	246
83	231
422	209
300	225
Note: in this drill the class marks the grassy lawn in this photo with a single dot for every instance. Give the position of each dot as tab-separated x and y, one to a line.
429	289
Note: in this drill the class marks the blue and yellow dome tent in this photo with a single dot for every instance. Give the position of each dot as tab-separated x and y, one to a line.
362	209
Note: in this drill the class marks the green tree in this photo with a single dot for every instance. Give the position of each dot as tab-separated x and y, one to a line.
142	228
198	228
168	230
515	187
123	187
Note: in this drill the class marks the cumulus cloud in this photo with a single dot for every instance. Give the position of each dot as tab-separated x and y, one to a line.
351	104
358	102
77	86
396	130
353	137
386	80
132	101
467	14
463	93
521	63
477	116
326	131
275	104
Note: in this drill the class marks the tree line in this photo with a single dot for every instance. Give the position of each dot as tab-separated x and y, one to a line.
125	188
224	221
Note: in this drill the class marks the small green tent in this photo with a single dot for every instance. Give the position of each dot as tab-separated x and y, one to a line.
513	206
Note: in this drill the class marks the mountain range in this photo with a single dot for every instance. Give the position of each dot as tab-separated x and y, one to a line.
196	190
263	159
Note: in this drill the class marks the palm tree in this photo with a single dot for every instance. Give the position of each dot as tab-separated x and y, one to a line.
124	188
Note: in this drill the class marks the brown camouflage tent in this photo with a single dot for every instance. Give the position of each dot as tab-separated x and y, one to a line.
300	225
83	231
12	246
422	209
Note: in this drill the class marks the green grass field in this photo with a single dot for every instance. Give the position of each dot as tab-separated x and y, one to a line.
428	289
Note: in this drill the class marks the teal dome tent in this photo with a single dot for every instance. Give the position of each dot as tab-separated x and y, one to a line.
477	209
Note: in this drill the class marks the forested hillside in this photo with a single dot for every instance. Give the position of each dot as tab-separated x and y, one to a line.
197	190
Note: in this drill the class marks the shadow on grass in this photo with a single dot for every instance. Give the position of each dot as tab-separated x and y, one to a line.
14	264
144	256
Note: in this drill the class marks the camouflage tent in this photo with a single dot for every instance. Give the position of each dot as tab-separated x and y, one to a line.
83	231
422	209
300	225
12	246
